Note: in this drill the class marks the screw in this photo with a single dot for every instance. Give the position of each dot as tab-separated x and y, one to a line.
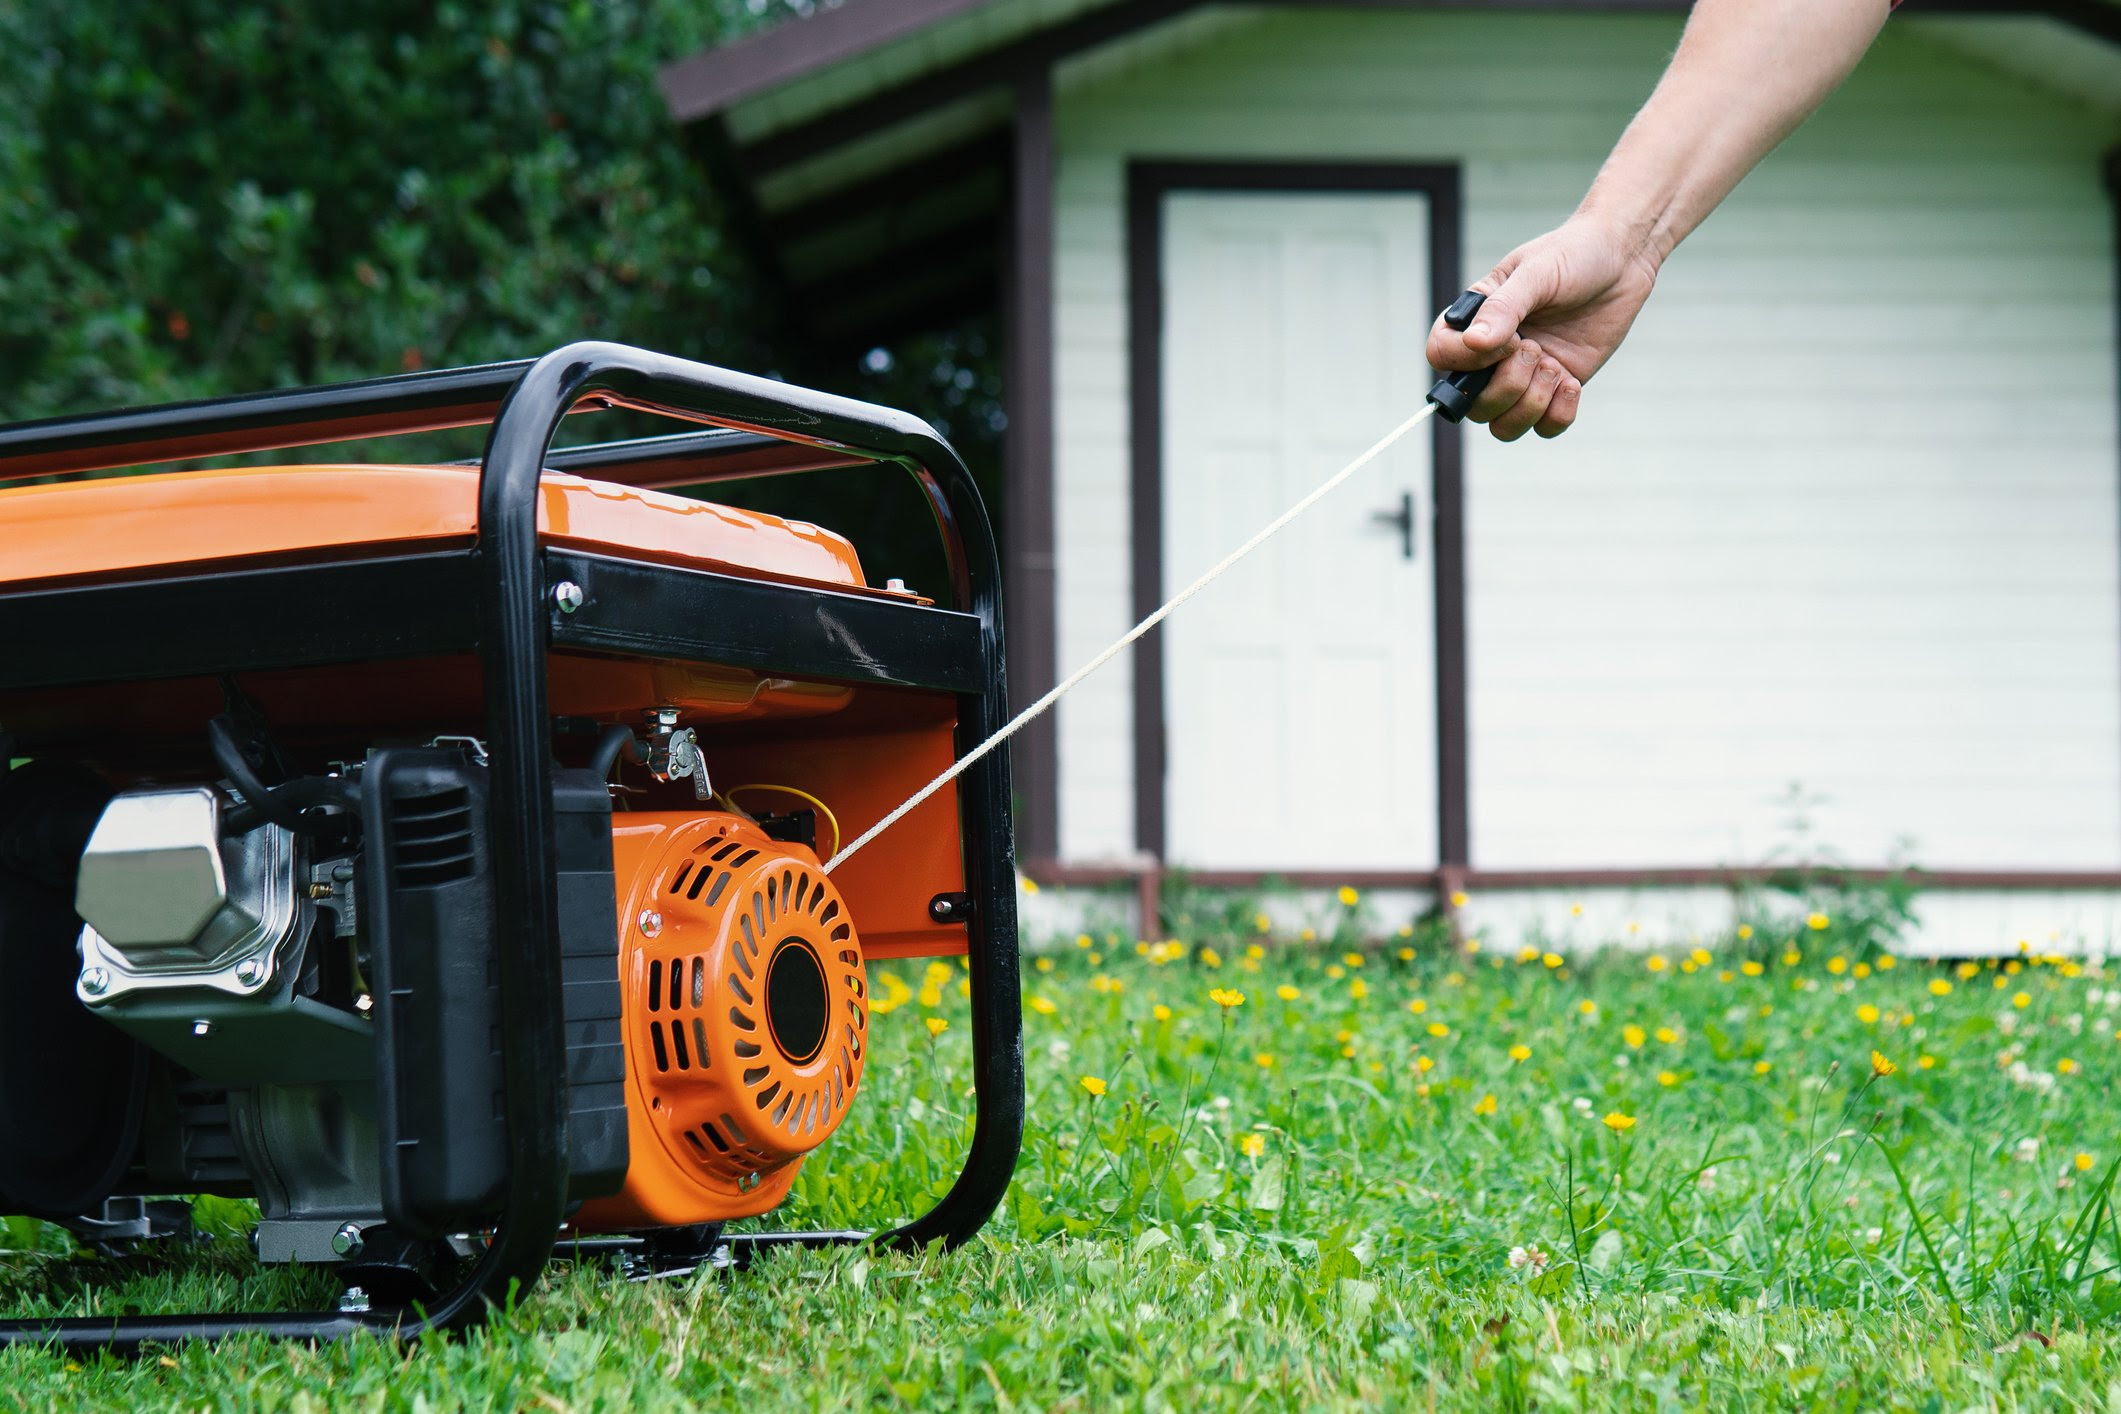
896	586
347	1241
320	890
568	595
651	922
95	981
354	1301
250	972
202	1029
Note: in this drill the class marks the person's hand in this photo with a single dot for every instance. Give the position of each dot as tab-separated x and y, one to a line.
1557	308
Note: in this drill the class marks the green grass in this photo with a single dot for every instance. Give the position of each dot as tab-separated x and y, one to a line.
1277	1205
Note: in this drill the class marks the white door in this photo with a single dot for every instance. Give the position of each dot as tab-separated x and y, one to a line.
1300	713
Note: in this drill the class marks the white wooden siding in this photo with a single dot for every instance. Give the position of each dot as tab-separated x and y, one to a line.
1842	514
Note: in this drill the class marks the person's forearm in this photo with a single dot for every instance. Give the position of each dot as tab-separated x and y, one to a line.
1746	74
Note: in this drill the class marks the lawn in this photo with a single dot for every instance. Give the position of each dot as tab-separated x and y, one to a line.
1777	1170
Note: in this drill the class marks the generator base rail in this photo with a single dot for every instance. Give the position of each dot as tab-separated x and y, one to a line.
499	599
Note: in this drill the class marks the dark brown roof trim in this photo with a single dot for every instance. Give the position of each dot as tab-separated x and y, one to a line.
714	79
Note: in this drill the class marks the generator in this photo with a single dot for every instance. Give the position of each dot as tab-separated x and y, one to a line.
442	857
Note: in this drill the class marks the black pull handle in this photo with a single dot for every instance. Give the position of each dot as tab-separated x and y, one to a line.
1454	392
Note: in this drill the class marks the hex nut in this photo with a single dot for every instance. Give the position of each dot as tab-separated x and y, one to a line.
568	596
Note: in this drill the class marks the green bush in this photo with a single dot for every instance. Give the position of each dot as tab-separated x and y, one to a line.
202	198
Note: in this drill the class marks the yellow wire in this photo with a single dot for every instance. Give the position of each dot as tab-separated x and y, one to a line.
822	808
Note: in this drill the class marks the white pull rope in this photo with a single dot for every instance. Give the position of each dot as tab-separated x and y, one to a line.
1162	612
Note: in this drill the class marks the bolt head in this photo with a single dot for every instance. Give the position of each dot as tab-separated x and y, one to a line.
95	981
346	1242
651	923
202	1029
568	596
250	972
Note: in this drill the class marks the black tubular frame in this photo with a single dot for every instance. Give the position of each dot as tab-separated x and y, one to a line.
766	428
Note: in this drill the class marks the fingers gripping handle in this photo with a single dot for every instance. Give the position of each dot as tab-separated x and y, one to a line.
1454	392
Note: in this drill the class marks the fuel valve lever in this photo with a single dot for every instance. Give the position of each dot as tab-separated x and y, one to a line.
1454	392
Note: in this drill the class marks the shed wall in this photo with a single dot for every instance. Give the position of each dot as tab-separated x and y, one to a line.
1829	566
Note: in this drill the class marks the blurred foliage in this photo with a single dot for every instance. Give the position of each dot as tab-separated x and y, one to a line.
206	199
203	199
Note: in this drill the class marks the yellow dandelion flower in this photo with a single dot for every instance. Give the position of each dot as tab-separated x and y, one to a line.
1251	1144
1437	1028
1084	941
1880	1066
1407	954
1254	951
1551	960
1417	1006
1226	998
1925	1062
1406	930
1485	1105
1335	972
1618	1122
1263	1059
1967	970
1358	989
1792	957
1044	964
1860	971
1634	1036
1887	962
1939	987
1094	1084
1528	954
2021	999
1655	962
1262	923
1211	958
1767	1008
1818	922
2083	1162
1837	965
1160	1012
1308	935
931	996
1348	897
1667	1078
1352	959
1424	1064
1458	898
1761	1067
2065	1066
1667	1035
1575	910
1520	1053
1745	932
1700	956
1866	1013
1044	1006
1751	969
1587	1007
937	1025
1288	993
1030	885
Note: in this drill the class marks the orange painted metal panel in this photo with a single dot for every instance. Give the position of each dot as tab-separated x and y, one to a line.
120	525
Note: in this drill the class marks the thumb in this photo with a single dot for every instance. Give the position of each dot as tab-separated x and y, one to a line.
1513	297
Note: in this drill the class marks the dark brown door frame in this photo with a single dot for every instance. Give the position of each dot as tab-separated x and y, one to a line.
1148	182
